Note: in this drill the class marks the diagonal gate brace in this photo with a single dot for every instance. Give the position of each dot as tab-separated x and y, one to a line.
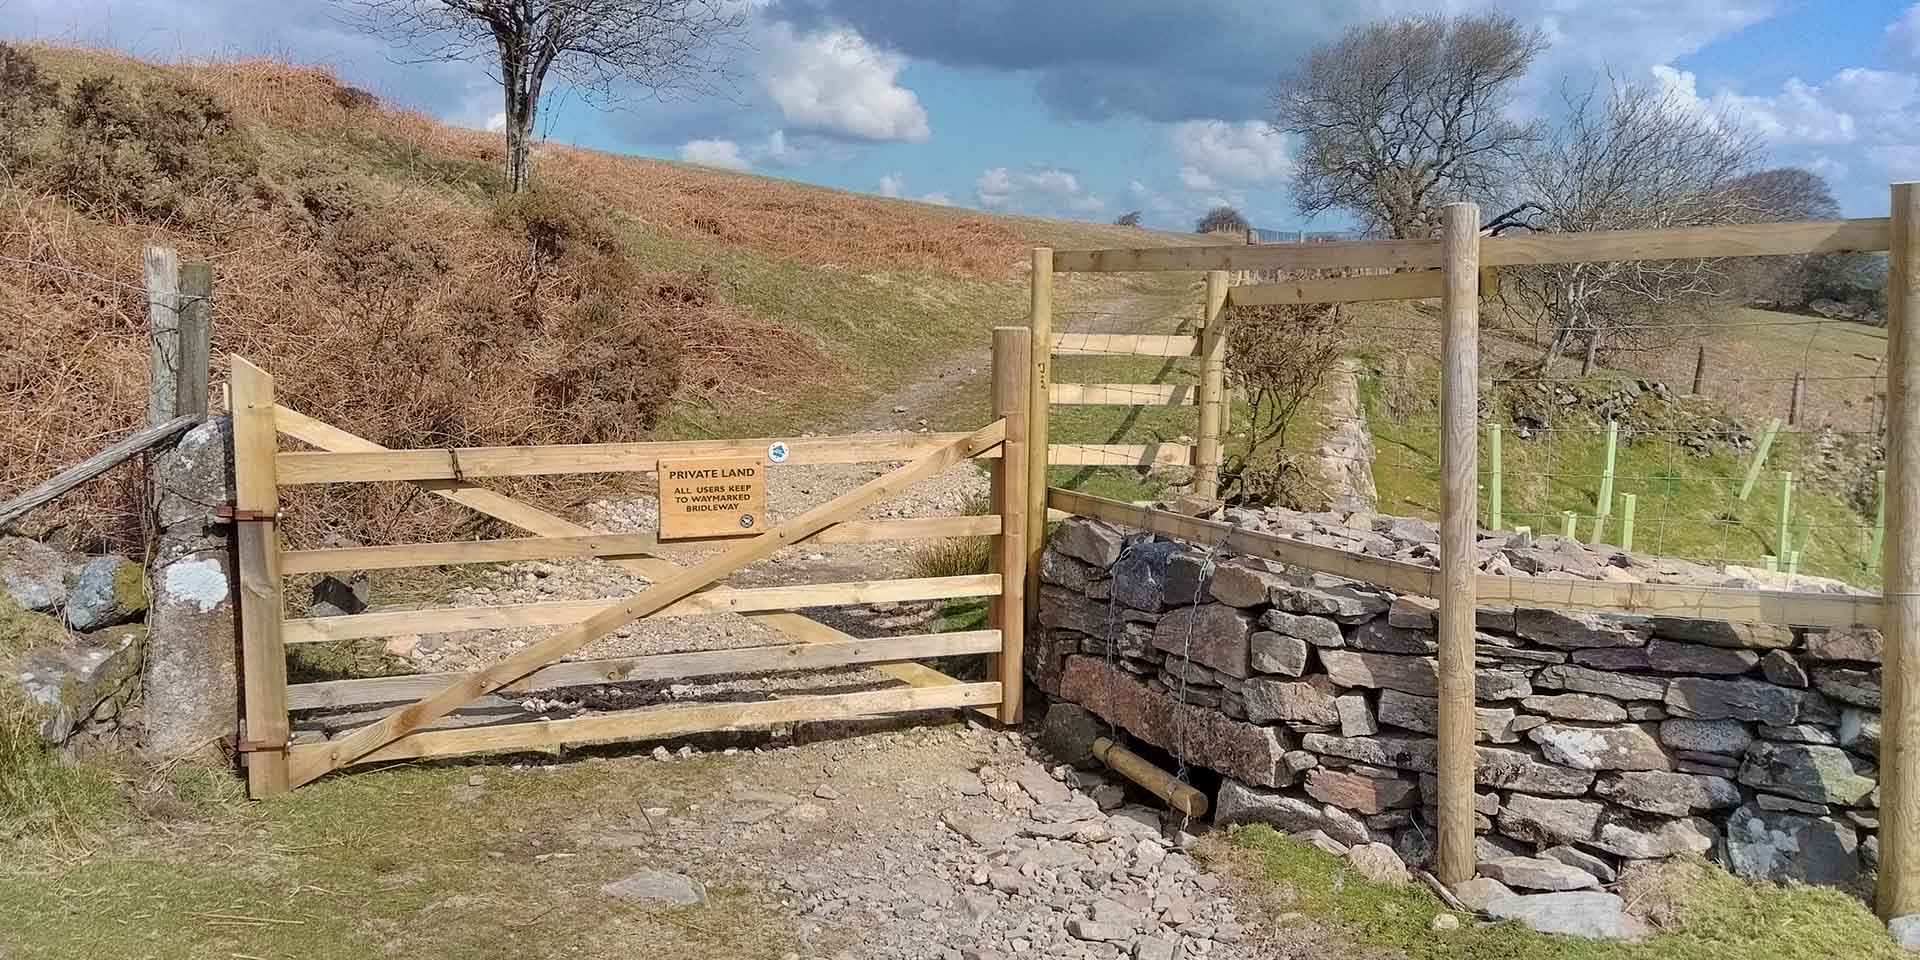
311	766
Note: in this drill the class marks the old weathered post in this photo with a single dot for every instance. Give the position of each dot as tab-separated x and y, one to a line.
1459	508
256	508
1039	387
1699	370
1799	396
1011	369
1899	882
1210	395
163	326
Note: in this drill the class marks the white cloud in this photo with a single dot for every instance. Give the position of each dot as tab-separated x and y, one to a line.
1036	190
835	83
1903	36
1215	151
937	199
778	152
724	154
892	184
497	123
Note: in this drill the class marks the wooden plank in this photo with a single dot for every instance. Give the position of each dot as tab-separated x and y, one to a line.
1213	380
195	335
1686	243
1040	344
1649	599
659	595
570	458
537	521
57	485
1406	285
1459	513
263	656
389	623
1007	612
657	723
1119	454
611	546
1390	254
1899	875
1123	344
1122	394
334	694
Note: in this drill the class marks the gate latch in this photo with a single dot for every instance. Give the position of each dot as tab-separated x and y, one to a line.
228	513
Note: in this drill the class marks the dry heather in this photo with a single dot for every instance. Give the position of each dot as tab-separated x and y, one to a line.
363	256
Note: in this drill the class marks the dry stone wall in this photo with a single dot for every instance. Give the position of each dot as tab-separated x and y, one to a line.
1602	738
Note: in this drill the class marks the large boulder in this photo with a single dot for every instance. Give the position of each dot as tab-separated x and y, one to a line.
70	685
1582	913
1068	733
1089	541
109	590
192	678
1238	803
1140	577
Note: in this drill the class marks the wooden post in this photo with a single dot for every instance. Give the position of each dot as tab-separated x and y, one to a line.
1627	501
263	658
1759	459
1213	375
1699	369
1879	520
1012	365
1569	524
1493	478
1606	473
1459	412
196	332
1039	380
1793	402
1899	883
163	326
1786	513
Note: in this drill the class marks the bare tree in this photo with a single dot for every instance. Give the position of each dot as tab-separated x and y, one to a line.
1401	116
605	50
1278	358
1221	219
1630	158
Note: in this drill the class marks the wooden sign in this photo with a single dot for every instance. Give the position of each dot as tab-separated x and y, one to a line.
712	498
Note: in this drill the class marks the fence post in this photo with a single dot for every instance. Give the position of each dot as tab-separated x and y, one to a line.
196	333
1699	370
1493	478
163	325
1213	375
1459	513
1039	387
1786	514
263	657
1794	401
1759	459
1899	883
1011	368
1627	501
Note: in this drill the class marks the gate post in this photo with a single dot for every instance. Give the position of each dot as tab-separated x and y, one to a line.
1012	360
1211	395
1899	883
256	507
1040	397
1459	509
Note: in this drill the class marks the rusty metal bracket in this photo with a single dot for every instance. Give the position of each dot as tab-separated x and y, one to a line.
228	513
453	459
258	746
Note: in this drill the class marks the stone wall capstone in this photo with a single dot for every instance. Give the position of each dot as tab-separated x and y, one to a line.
1603	738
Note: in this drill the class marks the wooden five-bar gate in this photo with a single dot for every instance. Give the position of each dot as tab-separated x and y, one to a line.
275	765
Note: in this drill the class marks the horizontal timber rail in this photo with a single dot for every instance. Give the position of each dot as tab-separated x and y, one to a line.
330	694
1707	603
1685	243
610	546
1122	394
1411	285
1124	344
464	463
658	723
1119	454
557	612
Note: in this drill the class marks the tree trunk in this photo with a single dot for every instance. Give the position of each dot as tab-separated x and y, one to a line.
1593	348
519	162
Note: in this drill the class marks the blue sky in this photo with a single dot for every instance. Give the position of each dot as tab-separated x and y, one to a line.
1093	109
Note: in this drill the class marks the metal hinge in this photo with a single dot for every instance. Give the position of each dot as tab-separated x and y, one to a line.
228	513
257	746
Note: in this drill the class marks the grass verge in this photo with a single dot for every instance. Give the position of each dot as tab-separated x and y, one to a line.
1717	916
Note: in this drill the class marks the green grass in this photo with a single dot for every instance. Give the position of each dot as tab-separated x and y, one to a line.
41	794
1719	916
1687	507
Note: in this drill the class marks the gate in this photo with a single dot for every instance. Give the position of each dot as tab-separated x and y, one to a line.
274	765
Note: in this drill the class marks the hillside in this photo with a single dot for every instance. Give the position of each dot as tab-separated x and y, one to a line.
365	256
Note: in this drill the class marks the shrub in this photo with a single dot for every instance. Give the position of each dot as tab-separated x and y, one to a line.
1221	219
959	556
172	150
27	99
1129	219
1279	357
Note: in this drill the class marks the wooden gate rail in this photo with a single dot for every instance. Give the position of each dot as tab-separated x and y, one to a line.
387	623
330	694
1645	599
609	546
654	724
